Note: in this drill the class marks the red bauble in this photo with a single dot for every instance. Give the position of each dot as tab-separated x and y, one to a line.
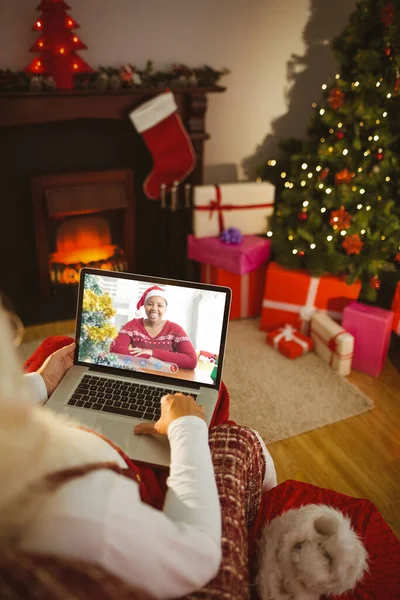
302	216
340	135
388	51
301	253
379	156
375	283
397	257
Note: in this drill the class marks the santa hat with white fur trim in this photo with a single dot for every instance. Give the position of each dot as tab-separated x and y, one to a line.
155	290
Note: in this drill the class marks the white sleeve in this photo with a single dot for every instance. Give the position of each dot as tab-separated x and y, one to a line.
182	548
168	553
37	388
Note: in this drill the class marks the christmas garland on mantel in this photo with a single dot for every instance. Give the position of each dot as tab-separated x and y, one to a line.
112	79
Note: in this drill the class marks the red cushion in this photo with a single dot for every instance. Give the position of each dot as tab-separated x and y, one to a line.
383	580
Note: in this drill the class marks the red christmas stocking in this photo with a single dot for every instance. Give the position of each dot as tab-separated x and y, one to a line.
166	138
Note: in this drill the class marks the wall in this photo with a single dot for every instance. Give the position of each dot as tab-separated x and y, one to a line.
276	50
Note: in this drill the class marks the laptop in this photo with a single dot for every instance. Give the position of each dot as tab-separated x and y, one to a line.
114	384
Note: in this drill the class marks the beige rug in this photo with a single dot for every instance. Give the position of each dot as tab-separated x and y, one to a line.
279	397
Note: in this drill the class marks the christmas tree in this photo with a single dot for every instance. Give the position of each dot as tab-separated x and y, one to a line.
97	331
57	45
338	205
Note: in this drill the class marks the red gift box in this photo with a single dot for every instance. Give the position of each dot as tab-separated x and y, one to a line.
294	296
396	310
289	341
247	290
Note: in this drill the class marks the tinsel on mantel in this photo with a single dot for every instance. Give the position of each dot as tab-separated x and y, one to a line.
113	79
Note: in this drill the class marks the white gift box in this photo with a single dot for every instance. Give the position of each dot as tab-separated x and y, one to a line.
332	343
246	206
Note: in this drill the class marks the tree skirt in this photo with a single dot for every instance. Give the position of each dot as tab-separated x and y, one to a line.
279	397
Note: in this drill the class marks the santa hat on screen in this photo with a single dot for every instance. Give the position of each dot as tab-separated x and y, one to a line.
155	290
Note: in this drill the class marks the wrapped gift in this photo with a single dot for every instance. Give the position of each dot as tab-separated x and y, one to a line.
294	296
243	205
371	327
247	290
396	310
289	341
240	258
332	343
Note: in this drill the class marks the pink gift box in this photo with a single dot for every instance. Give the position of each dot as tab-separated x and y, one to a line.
371	327
236	258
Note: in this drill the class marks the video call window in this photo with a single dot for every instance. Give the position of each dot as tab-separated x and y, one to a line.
169	330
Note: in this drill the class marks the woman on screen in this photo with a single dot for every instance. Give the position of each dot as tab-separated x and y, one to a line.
155	336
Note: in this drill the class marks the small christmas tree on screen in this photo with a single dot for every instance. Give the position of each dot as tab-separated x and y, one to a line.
57	45
339	206
97	329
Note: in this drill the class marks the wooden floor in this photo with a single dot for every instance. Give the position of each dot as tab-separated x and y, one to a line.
359	456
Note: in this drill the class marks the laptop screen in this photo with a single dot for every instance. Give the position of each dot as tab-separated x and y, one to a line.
134	323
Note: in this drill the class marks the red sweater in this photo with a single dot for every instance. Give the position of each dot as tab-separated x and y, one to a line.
172	344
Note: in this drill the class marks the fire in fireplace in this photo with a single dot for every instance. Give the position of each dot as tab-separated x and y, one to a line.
82	219
84	241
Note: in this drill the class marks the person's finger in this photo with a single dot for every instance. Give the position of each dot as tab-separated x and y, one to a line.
145	428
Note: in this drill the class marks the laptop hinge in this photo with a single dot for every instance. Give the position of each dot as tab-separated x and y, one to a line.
193	385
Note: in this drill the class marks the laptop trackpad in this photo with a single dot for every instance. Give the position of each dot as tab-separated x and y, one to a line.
120	433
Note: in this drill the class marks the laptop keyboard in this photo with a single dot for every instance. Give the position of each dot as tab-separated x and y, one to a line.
119	397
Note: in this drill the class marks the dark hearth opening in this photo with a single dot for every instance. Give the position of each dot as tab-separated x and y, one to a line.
82	219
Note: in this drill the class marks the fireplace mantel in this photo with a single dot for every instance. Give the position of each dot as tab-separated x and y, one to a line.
28	108
34	108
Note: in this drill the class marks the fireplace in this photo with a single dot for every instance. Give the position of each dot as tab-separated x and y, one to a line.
49	226
82	219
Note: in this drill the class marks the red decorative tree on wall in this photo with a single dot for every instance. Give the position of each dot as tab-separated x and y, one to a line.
57	45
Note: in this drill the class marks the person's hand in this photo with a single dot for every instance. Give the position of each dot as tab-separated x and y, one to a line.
55	367
139	351
173	406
